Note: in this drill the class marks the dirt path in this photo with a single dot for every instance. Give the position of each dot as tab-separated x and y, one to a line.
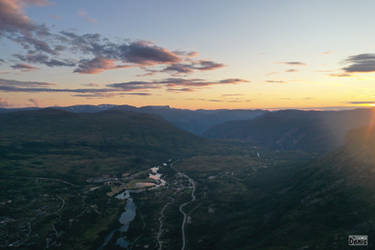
161	218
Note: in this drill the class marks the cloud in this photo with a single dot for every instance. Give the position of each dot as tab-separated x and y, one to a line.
146	53
140	53
173	82
192	54
108	95
207	65
230	95
3	103
180	89
328	52
340	75
361	63
138	93
134	85
12	17
97	65
40	89
15	83
233	81
91	84
236	100
107	54
24	67
186	54
44	59
16	26
96	95
294	63
35	102
362	102
178	68
89	53
170	84
190	67
275	81
291	70
86	17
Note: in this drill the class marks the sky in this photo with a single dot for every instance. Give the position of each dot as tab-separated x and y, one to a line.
267	54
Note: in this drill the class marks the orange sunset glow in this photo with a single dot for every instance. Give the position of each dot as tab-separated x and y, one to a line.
58	58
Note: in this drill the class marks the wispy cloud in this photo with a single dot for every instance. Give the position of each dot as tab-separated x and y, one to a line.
35	102
108	95
180	89
170	84
291	70
201	65
175	82
231	95
138	93
83	14
340	75
327	52
96	95
24	67
40	58
234	100
91	84
275	81
361	102
15	83
97	65
3	103
294	63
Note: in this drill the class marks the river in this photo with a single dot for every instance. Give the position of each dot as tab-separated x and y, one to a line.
130	210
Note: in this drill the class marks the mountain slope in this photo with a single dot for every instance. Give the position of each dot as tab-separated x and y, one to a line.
329	199
96	143
198	121
294	129
107	127
267	203
194	121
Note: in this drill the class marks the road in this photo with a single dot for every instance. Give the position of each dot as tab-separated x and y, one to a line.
181	208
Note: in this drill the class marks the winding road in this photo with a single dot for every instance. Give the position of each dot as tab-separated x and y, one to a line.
181	207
